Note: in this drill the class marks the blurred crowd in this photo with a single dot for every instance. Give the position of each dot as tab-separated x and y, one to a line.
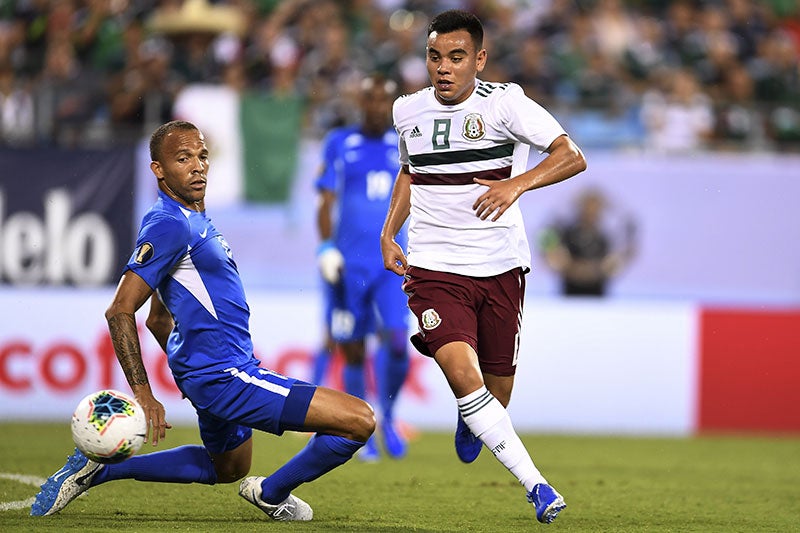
667	76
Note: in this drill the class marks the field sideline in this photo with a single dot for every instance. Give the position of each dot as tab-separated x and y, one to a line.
614	484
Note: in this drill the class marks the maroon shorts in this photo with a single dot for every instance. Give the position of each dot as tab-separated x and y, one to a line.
486	313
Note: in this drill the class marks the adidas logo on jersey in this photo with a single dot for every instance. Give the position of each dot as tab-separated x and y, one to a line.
415	133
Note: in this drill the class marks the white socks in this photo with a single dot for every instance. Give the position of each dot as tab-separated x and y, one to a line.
489	421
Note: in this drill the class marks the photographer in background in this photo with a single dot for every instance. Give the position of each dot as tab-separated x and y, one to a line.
582	250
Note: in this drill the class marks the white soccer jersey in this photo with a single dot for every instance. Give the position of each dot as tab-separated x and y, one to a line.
446	146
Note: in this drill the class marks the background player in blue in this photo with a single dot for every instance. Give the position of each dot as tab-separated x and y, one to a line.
199	315
355	184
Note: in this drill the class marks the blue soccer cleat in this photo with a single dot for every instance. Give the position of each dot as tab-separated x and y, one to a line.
468	446
393	442
369	452
65	485
547	501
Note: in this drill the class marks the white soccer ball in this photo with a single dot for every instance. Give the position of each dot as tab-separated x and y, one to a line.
108	426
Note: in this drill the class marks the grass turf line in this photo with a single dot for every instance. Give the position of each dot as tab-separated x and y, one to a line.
614	484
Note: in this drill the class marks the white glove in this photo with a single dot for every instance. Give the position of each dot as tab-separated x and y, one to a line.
330	262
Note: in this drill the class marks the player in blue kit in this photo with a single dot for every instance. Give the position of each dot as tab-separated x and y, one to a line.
355	184
199	315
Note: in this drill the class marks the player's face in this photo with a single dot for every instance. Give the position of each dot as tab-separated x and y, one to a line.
376	104
453	62
182	169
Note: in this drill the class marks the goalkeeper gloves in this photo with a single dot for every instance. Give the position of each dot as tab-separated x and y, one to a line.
330	262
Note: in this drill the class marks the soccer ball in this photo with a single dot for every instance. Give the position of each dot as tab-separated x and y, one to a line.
108	426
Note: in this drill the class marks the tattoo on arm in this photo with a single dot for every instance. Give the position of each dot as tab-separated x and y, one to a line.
125	339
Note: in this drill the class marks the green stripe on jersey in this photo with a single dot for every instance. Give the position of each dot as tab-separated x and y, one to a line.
462	156
485	88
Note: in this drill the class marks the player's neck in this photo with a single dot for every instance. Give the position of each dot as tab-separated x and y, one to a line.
194	205
372	130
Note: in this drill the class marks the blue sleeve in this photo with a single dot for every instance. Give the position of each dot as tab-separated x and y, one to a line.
327	176
163	240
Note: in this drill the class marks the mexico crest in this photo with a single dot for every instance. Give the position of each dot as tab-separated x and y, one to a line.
474	128
430	319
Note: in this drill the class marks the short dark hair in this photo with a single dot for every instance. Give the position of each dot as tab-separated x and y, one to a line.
157	138
379	80
456	19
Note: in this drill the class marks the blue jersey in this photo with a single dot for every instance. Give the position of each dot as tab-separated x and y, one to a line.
361	171
181	254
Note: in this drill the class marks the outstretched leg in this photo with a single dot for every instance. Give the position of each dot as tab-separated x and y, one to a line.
185	464
343	423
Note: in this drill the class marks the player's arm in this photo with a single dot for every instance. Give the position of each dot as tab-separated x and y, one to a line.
399	208
159	321
132	292
329	258
327	199
564	160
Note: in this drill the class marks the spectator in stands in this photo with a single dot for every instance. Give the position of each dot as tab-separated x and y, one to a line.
645	56
98	33
69	97
737	122
17	124
678	118
747	22
330	79
143	94
533	69
614	27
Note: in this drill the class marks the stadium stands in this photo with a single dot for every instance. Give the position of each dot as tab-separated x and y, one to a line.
94	73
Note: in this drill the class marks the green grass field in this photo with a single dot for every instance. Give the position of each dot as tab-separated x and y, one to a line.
626	484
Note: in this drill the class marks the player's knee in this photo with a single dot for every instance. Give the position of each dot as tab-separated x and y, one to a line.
363	424
231	471
231	474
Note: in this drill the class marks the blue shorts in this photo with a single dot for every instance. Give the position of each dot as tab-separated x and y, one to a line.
366	300
231	403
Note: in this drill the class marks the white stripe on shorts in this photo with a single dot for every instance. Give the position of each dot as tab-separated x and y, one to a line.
263	383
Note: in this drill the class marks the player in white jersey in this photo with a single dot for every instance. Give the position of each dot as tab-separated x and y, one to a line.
463	154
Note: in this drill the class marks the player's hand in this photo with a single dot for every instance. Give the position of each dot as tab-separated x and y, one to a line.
393	257
497	199
330	261
155	414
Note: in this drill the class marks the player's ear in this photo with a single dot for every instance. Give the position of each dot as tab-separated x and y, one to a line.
480	59
155	167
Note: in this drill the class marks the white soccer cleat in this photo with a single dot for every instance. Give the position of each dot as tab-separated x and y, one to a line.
72	480
290	509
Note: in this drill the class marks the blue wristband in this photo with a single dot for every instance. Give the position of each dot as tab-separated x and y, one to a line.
325	245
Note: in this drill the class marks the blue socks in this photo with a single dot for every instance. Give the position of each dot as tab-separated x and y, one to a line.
192	464
322	454
391	369
354	381
184	464
322	360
